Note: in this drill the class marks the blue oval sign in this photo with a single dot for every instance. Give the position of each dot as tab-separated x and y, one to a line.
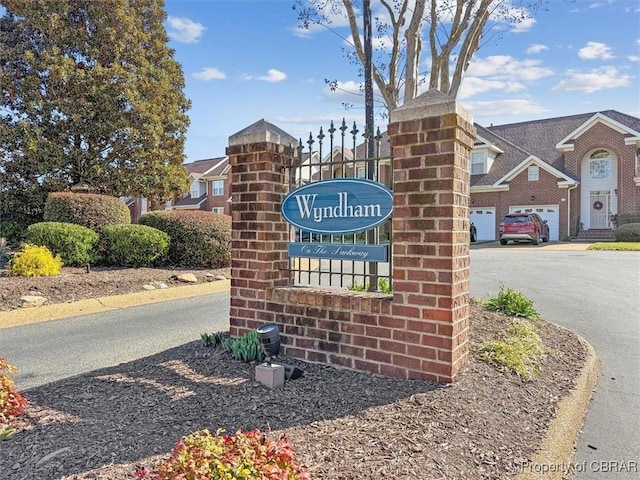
338	206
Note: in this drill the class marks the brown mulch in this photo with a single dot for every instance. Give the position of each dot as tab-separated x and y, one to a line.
342	424
74	284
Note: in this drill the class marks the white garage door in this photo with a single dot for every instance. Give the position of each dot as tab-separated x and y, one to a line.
550	213
484	218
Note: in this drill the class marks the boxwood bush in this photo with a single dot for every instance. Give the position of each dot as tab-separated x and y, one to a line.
629	232
198	238
76	245
625	218
134	245
90	210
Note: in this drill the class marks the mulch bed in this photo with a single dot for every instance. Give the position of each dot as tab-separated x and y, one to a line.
342	424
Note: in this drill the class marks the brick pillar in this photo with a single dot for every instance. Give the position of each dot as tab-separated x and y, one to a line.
432	137
257	157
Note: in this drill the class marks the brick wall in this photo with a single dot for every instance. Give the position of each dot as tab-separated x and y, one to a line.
422	331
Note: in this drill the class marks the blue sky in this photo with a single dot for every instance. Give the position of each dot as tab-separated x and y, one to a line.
245	60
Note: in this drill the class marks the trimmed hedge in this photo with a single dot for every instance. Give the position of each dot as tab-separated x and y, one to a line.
134	245
76	245
629	232
90	210
625	218
198	238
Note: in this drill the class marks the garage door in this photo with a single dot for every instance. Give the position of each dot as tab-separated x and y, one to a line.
550	213
484	218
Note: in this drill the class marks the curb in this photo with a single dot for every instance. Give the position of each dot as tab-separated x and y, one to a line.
554	459
55	311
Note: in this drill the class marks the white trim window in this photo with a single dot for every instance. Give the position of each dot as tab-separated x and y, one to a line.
217	187
600	165
533	173
195	189
481	161
217	210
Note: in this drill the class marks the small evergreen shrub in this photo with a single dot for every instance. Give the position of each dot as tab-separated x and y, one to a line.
11	230
34	261
76	245
513	303
625	218
629	232
198	238
521	352
134	245
249	455
90	210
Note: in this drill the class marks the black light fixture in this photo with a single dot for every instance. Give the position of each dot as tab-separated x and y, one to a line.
533	198
269	336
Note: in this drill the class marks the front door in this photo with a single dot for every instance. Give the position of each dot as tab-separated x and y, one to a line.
600	211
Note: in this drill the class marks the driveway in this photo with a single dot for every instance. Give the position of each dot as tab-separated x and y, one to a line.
597	295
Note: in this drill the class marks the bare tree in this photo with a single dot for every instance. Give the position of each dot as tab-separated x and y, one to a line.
455	30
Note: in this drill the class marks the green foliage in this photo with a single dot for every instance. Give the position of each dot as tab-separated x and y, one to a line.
76	245
513	303
616	246
79	105
214	339
629	232
243	456
12	402
246	348
90	210
12	231
383	287
520	352
198	238
134	245
625	218
34	261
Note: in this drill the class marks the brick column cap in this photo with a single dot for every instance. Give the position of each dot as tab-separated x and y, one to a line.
262	131
432	103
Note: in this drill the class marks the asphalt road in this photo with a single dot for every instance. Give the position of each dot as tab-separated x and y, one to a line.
57	349
597	295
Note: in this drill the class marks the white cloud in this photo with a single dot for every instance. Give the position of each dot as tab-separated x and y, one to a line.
343	90
273	76
209	73
516	106
633	58
524	25
506	67
598	79
536	48
594	51
474	85
183	30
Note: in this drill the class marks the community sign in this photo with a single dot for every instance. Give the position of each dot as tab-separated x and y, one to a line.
338	206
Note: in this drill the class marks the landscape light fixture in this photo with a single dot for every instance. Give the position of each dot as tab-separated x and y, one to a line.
269	336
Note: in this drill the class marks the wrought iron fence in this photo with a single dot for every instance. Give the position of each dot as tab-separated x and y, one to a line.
339	155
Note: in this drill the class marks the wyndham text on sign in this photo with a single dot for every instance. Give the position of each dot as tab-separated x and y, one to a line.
338	206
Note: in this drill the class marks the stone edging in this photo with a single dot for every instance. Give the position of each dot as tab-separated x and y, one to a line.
555	457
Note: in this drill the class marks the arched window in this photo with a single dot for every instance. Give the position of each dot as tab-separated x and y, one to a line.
600	164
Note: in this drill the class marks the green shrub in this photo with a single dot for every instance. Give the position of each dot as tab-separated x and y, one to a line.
34	261
134	245
249	455
513	303
198	238
521	352
12	232
76	245
625	218
90	210
246	348
629	232
383	287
